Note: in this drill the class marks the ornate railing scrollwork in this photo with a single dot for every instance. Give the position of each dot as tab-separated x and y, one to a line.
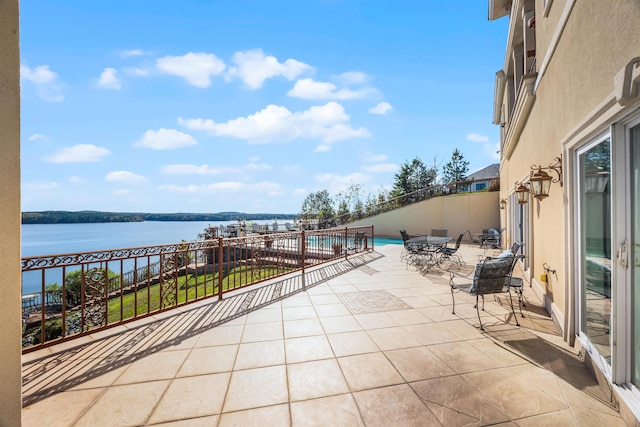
95	298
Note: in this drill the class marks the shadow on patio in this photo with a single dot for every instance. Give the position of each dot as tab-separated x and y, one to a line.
368	342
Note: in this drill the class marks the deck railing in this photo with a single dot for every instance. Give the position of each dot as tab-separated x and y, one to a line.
90	291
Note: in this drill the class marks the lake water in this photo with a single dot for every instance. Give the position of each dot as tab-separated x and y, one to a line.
47	239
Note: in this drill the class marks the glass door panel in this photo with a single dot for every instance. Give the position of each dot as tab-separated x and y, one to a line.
595	235
634	255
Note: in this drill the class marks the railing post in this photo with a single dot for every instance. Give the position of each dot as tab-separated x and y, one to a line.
346	242
220	254
373	238
303	245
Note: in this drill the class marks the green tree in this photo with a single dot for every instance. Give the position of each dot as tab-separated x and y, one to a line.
456	169
413	176
318	205
350	200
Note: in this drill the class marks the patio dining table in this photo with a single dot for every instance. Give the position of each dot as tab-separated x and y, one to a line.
426	247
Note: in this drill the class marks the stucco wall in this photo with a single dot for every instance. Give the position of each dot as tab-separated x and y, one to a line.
598	40
455	213
10	316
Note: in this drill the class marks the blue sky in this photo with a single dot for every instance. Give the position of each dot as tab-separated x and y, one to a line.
209	106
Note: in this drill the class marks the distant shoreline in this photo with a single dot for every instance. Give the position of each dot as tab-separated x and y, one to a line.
90	217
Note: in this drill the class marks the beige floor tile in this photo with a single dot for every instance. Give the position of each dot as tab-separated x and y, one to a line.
47	411
516	398
551	419
331	310
343	289
393	406
450	397
253	388
375	320
462	357
407	291
365	371
496	351
418	363
337	324
325	299
319	378
259	354
431	333
297	300
268	416
209	360
126	405
439	313
262	332
295	313
350	343
192	397
265	315
220	335
192	422
156	366
393	338
420	301
590	417
302	328
408	317
340	410
304	349
322	289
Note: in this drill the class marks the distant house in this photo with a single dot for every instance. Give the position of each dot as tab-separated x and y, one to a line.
484	178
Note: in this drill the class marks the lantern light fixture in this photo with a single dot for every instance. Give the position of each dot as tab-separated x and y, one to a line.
541	181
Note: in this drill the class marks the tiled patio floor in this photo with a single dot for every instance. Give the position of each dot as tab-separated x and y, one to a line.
374	343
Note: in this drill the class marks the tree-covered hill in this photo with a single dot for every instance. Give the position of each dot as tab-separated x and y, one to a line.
67	217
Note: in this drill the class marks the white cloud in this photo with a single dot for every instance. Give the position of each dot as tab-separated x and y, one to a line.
216	187
196	68
256	166
81	153
39	137
300	192
77	180
226	187
382	167
128	53
372	157
109	79
136	71
328	122
45	80
476	137
122	192
352	77
253	67
165	139
124	176
381	109
311	89
186	169
337	183
40	185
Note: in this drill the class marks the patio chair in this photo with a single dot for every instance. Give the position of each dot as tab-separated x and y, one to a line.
489	277
492	239
516	283
413	253
451	254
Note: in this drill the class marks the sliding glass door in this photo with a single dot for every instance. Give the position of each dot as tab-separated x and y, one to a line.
634	253
594	169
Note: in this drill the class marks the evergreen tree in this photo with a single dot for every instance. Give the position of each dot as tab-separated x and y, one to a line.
413	176
456	169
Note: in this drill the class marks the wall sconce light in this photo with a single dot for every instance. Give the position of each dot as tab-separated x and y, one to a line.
503	203
596	180
541	181
522	193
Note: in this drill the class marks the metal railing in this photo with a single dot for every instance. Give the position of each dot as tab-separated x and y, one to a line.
99	290
426	193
